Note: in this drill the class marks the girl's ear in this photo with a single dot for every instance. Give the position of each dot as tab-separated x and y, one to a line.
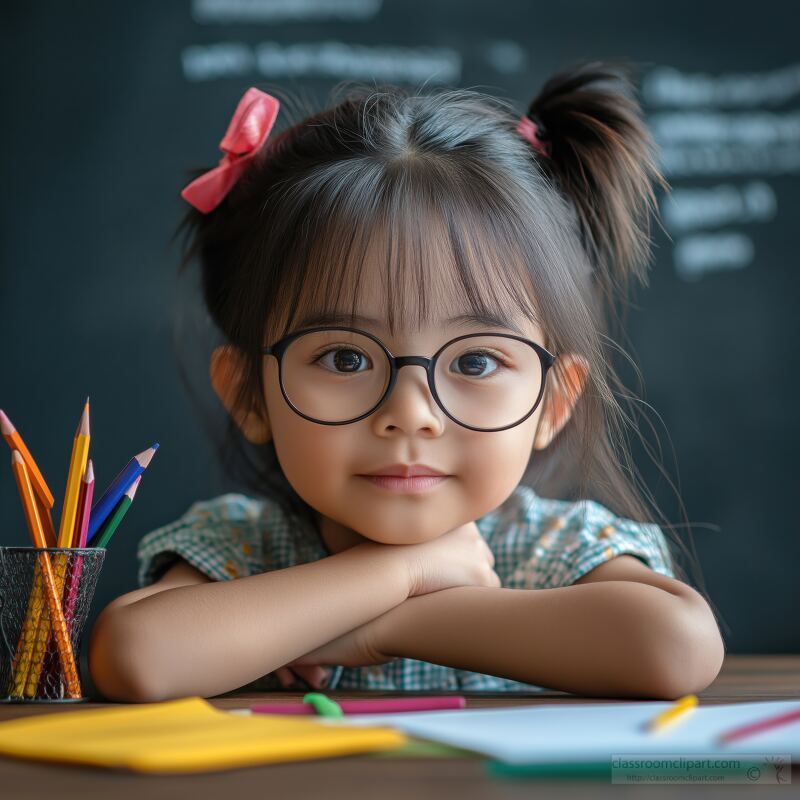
566	383
227	371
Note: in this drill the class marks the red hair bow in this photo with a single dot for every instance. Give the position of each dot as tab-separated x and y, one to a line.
247	131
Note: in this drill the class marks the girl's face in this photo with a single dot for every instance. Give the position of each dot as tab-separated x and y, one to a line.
324	463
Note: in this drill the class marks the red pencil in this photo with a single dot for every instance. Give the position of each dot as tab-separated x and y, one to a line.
760	725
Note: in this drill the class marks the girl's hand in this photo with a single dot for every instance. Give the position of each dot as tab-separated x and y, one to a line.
313	674
356	648
459	557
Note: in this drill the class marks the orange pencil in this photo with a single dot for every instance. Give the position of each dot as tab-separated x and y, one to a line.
44	497
77	468
65	653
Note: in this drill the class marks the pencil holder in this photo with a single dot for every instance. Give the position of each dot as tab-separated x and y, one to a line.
45	596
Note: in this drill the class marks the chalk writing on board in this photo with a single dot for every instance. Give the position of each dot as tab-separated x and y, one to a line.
334	60
666	86
734	125
687	209
259	11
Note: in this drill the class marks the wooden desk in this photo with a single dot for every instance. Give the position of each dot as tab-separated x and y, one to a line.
742	678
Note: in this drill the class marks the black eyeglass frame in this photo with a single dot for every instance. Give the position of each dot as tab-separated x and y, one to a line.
546	359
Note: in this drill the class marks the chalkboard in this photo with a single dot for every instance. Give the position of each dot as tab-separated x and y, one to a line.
107	105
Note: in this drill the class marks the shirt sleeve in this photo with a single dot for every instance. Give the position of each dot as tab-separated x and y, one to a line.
221	537
576	538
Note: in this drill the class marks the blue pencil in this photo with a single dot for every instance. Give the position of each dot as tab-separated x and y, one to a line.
105	505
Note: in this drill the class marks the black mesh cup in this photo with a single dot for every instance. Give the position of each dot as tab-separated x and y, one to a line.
45	595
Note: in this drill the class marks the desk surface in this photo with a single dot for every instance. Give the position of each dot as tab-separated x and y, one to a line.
742	678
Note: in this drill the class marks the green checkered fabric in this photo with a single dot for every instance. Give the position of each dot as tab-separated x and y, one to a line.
538	543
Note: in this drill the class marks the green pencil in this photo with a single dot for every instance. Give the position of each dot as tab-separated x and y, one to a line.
114	519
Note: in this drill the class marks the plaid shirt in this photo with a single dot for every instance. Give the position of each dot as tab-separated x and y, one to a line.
538	543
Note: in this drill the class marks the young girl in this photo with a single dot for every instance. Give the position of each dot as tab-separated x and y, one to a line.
414	294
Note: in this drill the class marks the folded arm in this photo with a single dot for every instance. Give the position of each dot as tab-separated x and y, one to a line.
620	630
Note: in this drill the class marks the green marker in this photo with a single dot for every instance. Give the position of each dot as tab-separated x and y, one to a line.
114	519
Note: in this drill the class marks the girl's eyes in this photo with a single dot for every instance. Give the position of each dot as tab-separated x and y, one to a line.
346	359
473	362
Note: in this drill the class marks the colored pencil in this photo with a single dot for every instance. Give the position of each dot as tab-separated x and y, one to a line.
676	712
77	467
105	505
24	653
84	507
72	581
11	435
121	509
764	724
66	655
385	706
44	497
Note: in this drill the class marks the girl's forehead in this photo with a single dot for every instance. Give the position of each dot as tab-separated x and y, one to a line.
440	322
398	285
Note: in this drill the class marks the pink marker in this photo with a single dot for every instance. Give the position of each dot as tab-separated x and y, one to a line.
387	706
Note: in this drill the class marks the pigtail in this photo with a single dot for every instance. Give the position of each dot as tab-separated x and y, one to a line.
602	156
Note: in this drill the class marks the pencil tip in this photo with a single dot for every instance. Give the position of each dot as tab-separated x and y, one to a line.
16	456
83	426
88	476
5	424
146	456
133	487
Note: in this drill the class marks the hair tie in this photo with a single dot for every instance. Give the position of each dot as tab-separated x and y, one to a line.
534	133
247	131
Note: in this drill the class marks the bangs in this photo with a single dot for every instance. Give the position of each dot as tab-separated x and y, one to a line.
434	248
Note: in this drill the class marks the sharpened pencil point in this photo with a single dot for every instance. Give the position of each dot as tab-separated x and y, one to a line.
5	424
88	476
146	456
133	487
16	456
83	425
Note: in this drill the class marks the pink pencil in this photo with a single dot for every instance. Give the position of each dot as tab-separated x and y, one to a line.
72	581
84	507
387	706
764	724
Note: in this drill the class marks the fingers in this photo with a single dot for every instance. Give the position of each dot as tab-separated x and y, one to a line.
285	676
313	674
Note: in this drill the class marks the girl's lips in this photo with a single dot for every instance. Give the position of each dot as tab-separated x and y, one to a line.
395	483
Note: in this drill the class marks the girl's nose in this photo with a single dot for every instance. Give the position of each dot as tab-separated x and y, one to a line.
411	406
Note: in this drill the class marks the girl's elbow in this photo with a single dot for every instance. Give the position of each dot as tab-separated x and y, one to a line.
117	664
688	653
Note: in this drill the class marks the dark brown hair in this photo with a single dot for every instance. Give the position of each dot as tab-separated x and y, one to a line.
443	182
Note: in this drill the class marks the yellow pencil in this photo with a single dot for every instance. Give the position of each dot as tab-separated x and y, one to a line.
678	711
52	595
77	468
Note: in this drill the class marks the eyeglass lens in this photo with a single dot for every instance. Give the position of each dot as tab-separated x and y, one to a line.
484	381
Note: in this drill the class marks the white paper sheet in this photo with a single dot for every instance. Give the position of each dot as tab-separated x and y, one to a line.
571	733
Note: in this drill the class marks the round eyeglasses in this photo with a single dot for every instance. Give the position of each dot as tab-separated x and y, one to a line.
482	381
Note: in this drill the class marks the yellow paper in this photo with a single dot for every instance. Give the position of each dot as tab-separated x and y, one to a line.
187	735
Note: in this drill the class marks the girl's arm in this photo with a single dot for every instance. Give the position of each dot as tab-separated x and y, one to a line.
621	630
187	635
